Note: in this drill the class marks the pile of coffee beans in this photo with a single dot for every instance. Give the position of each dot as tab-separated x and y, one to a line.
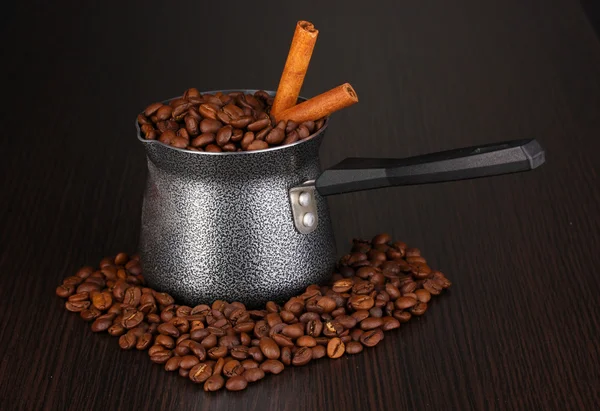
221	122
376	287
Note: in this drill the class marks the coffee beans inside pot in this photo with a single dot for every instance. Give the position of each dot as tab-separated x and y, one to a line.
378	286
221	123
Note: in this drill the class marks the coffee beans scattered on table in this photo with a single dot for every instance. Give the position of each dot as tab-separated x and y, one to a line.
377	286
221	123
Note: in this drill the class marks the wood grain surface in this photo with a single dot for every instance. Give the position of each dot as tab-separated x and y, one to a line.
519	328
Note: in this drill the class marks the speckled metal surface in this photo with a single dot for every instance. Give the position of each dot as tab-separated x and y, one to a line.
220	225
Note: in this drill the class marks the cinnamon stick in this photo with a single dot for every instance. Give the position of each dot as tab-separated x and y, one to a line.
295	67
322	105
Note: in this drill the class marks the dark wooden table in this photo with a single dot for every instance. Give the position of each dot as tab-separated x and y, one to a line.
519	328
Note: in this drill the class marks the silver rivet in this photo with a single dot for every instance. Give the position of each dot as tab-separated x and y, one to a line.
304	199
308	219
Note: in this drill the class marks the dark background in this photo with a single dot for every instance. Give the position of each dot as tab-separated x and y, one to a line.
519	328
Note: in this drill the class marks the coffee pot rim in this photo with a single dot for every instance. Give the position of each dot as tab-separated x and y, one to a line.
232	153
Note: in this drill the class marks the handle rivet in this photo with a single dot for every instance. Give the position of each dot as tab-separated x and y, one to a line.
304	199
308	219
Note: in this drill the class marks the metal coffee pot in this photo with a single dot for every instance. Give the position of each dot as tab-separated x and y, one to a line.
254	226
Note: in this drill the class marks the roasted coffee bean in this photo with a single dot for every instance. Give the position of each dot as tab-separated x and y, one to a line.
208	110
335	348
181	338
90	314
261	135
165	341
102	301
303	132
217	330
239	352
423	295
418	309
217	352
371	338
287	316
376	312
432	286
210	126
259	125
275	136
355	334
179	142
218	366
354	347
132	318
161	357
360	315
144	341
155	349
286	356
361	302
282	340
256	354
302	356
408	287
294	330
214	383
209	341
363	288
191	125
200	372
233	368
327	304
132	296
269	348
203	140
73	280
342	286
247	140
290	138
249	364
152	108
306	341
348	322
116	330
272	366
371	323
102	323
257	145
77	306
64	291
403	303
164	113
229	341
127	341
213	148
82	296
85	287
402	316
254	374
273	319
224	135
383	238
172	364
390	323
224	117
169	329
198	350
236	383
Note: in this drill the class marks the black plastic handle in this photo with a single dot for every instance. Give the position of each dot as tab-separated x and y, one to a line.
355	174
